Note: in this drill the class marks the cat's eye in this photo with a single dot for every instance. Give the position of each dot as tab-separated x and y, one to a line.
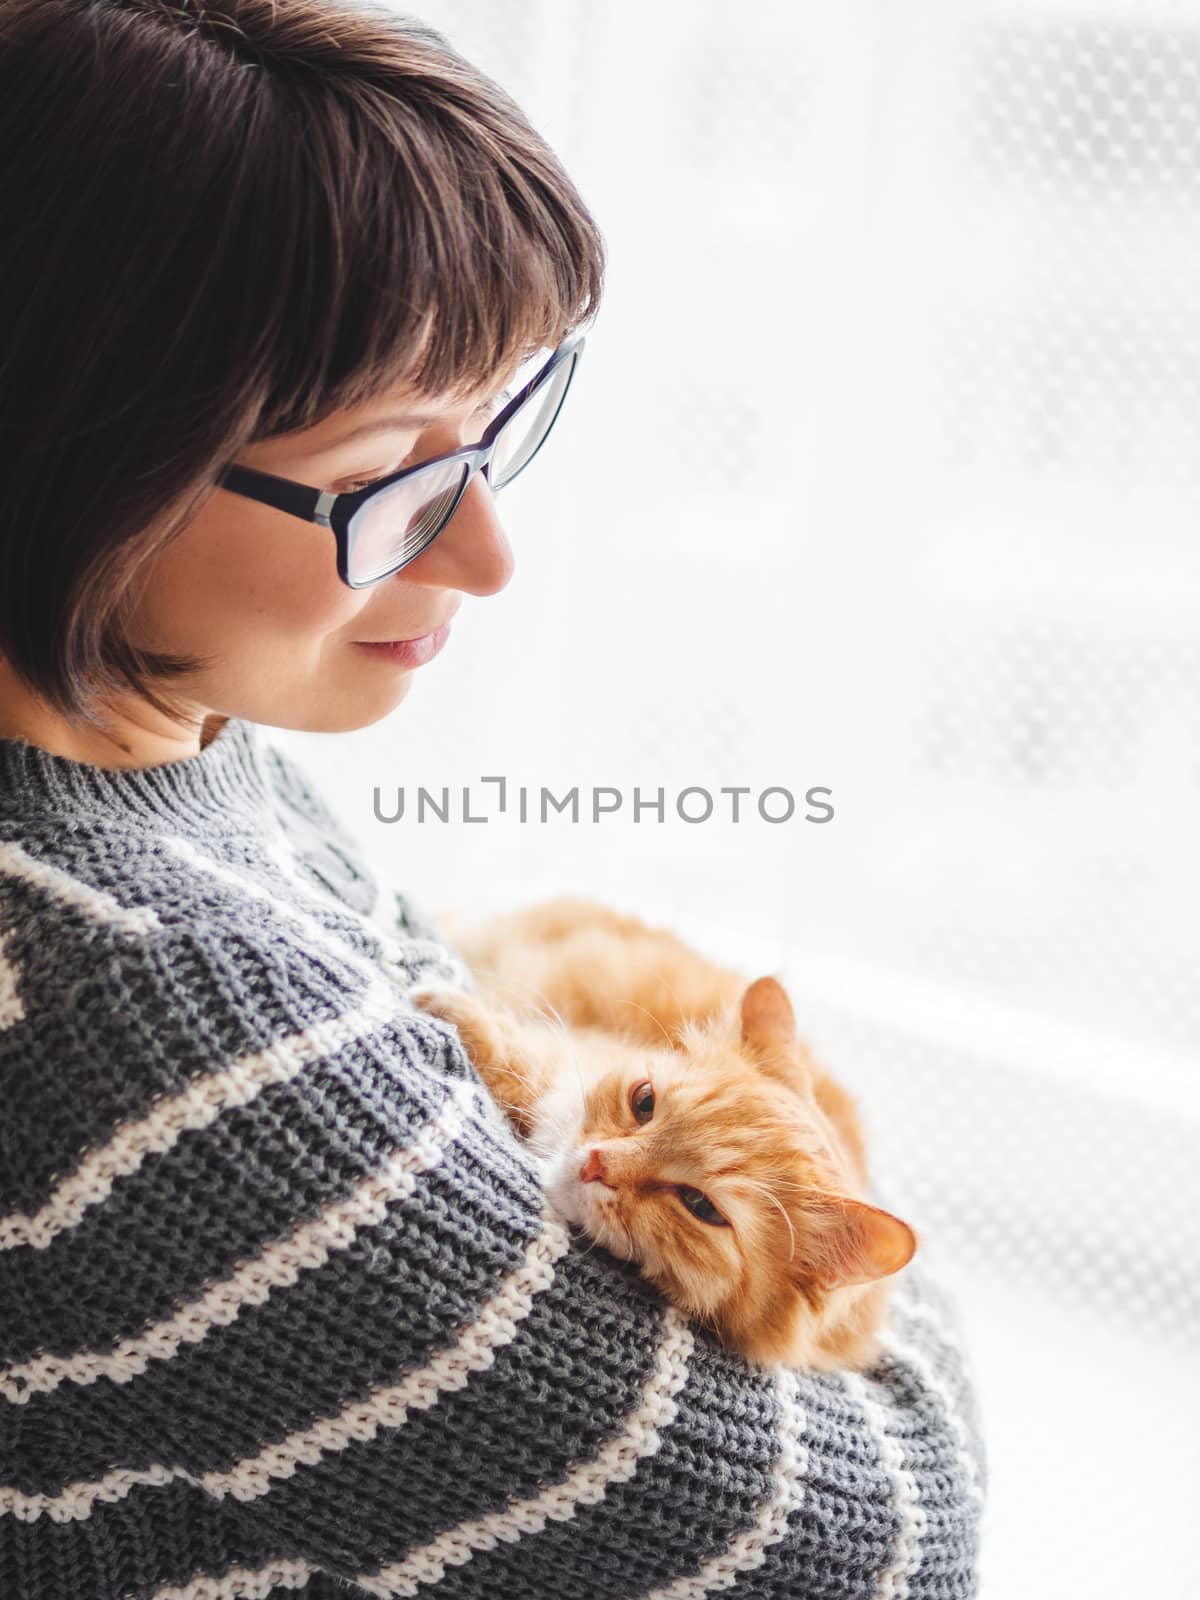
641	1100
701	1206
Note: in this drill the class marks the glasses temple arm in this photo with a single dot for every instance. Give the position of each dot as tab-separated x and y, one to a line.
310	505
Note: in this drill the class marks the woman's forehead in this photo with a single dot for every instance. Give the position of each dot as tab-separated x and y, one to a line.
398	408
402	405
405	400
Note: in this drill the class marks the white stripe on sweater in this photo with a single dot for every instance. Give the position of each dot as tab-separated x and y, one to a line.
747	1551
331	939
391	955
912	1356
251	1283
283	852
198	1105
240	1583
616	1462
906	1496
744	1553
408	964
102	907
97	904
248	1479
381	920
399	959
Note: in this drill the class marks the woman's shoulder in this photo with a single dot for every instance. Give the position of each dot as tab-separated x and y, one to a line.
130	962
85	887
92	880
323	846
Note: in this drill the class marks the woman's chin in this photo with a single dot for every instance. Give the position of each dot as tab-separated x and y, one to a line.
363	711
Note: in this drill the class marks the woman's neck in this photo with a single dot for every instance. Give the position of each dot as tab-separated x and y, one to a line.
135	735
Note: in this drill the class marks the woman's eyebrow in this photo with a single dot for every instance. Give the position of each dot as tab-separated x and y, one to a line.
382	425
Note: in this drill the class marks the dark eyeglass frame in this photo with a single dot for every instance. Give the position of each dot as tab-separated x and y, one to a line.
335	511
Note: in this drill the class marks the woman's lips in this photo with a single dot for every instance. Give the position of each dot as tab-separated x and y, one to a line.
410	652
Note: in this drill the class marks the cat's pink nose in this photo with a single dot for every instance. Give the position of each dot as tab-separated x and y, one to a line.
592	1168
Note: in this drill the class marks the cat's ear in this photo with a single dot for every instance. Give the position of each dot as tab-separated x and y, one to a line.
768	1021
769	1033
854	1242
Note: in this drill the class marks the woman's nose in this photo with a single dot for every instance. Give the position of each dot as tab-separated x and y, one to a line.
471	553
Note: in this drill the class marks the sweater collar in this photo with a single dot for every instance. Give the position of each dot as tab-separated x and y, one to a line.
225	782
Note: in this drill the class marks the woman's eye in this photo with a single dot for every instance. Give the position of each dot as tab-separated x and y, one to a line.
484	412
641	1099
701	1206
361	483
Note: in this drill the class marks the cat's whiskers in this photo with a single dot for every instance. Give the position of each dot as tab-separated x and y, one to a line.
510	1107
757	1183
579	1080
539	1148
528	995
628	1235
552	1015
653	1019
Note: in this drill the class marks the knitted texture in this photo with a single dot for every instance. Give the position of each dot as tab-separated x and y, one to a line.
282	1308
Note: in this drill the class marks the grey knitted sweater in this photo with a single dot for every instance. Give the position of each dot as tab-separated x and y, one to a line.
282	1310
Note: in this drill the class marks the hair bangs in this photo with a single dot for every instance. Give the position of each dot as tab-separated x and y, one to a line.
442	265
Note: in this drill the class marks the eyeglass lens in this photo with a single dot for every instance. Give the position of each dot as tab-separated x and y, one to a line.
396	524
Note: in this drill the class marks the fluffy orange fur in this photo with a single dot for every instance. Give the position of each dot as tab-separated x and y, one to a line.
682	1123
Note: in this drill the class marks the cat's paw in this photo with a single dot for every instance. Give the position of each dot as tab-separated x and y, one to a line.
440	1000
498	1046
478	1028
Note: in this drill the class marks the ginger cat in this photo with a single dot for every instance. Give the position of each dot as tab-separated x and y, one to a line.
682	1124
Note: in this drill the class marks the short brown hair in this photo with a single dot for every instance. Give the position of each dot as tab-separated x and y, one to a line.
225	219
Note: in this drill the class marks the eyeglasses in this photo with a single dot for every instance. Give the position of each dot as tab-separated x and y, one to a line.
381	528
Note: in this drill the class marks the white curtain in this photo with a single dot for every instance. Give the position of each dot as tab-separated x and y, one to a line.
881	474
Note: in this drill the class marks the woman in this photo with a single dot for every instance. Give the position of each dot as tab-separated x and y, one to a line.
282	1307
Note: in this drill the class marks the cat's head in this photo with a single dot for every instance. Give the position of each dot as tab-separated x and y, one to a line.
712	1164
